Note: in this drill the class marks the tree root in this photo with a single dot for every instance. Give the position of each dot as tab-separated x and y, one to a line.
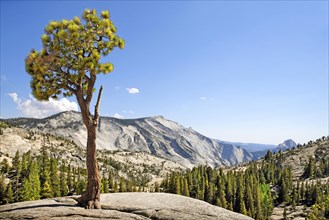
89	203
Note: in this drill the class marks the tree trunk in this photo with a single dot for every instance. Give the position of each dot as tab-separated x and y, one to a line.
91	198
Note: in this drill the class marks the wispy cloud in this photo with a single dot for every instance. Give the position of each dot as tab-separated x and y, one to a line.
133	90
203	98
117	115
128	112
37	109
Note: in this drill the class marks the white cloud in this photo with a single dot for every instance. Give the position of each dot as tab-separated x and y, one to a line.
203	98
117	115
40	109
128	112
133	90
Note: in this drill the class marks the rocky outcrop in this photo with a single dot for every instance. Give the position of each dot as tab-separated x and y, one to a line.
123	206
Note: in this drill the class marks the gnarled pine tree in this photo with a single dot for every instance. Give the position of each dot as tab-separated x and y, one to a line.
68	64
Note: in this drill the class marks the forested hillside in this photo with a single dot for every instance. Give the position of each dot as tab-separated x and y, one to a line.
258	187
35	165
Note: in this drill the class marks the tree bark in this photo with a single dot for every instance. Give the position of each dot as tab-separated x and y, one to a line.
91	198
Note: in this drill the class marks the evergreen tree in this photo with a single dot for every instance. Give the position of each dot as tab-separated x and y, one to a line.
111	180
54	178
266	199
46	191
186	188
129	186
62	178
258	205
222	199
81	186
26	191
68	64
44	166
116	187
16	168
240	195
5	167
35	181
156	187
105	184
26	164
122	185
178	186
3	189
309	170
249	200
69	178
73	180
9	193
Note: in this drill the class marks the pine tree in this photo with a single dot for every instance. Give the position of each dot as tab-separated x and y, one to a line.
249	200
3	189
267	202
111	180
309	170
9	193
105	184
116	187
54	178
73	179
62	177
16	168
223	202
46	191
240	195
26	164
26	191
178	185
258	205
129	186
156	187
68	64
35	181
69	178
44	166
122	185
81	186
229	190
186	188
5	167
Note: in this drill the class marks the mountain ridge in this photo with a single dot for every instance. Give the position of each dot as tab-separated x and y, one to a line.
155	135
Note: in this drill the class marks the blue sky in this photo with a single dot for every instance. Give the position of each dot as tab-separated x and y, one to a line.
251	71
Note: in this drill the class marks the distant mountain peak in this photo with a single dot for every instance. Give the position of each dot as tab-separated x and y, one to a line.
287	144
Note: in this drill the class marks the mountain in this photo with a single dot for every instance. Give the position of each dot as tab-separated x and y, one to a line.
154	135
286	145
250	147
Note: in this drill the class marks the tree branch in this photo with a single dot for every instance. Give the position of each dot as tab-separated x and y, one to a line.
96	113
91	83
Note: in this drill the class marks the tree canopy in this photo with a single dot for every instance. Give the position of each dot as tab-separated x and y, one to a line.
71	56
